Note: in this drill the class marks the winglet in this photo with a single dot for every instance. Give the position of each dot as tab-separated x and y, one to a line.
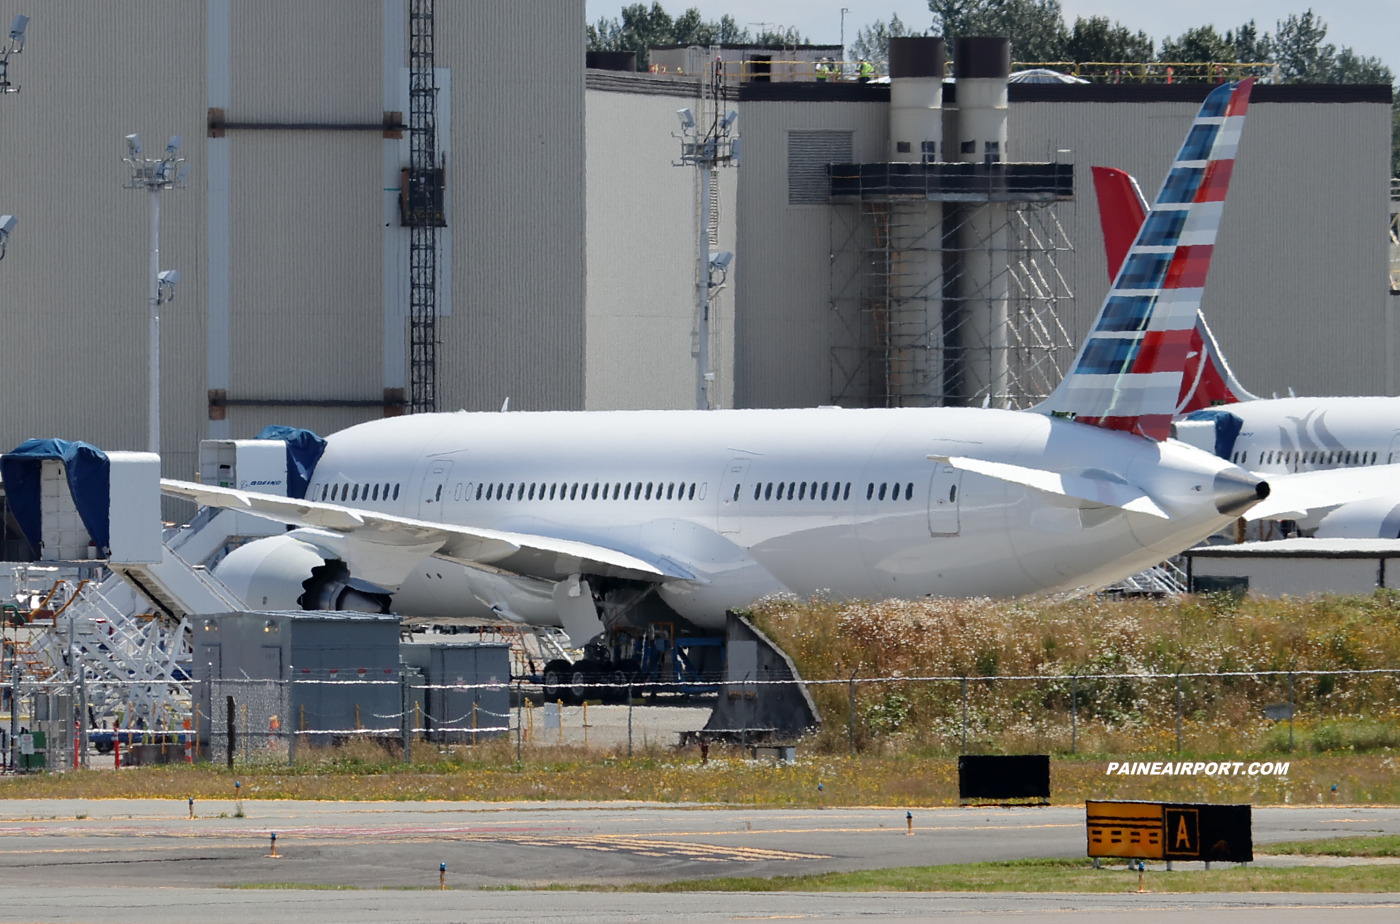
1128	373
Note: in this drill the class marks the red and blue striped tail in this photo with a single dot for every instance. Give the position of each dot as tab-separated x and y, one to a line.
1128	373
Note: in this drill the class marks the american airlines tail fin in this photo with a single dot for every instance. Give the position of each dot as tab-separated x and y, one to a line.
1129	371
1207	380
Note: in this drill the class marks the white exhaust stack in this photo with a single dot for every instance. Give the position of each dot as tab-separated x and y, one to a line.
915	325
982	65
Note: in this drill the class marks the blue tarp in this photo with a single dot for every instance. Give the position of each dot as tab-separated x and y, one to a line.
1227	428
88	481
304	450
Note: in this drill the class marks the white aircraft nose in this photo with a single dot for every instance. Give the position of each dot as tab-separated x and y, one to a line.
1236	491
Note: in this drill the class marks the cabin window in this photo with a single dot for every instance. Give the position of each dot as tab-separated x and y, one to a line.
671	489
490	490
847	494
639	486
802	491
520	495
627	492
355	493
768	491
376	493
573	491
617	489
386	489
756	488
883	486
825	485
396	492
909	491
691	495
792	486
595	491
510	490
870	490
637	493
736	492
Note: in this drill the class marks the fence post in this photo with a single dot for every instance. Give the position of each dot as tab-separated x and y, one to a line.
404	724
964	715
15	671
1073	713
629	718
851	730
232	741
1290	712
519	716
291	727
1178	712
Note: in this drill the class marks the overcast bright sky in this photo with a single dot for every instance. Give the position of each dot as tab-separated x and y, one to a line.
1369	26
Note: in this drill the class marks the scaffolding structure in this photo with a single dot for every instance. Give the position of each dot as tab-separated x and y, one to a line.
423	212
945	303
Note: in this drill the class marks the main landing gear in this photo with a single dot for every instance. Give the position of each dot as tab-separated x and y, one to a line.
588	679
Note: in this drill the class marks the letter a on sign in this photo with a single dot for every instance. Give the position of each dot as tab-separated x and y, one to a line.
1182	829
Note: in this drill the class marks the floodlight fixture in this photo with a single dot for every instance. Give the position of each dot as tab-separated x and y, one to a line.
182	175
730	116
687	119
17	33
722	259
7	224
172	146
13	47
165	286
133	144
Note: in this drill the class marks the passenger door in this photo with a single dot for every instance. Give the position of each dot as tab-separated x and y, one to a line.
434	489
944	500
731	496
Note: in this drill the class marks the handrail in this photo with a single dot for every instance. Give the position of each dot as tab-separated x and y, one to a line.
801	70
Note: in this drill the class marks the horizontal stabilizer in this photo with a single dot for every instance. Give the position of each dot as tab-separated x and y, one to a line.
1092	490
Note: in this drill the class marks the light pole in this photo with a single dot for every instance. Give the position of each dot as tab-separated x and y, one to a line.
154	174
13	47
706	146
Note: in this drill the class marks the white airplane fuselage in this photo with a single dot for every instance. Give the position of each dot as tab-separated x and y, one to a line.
1283	435
750	503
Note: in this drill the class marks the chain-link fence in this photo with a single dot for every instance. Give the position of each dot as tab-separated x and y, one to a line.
255	721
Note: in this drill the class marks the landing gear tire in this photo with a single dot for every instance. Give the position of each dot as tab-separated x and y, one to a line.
618	677
581	677
557	674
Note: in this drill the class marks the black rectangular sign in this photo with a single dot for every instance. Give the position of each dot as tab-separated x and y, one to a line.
994	778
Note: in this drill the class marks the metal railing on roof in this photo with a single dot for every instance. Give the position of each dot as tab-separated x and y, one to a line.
1395	236
803	71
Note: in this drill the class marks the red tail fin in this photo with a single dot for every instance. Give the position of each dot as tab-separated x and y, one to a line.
1122	210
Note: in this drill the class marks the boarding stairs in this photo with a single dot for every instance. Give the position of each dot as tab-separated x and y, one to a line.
1165	579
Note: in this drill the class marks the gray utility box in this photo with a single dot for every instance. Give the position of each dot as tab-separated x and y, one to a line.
331	675
451	714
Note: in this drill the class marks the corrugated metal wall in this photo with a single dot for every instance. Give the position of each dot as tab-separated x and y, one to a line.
1297	294
642	252
306	228
73	313
785	326
517	181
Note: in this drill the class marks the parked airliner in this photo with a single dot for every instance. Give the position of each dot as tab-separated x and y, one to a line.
1271	436
587	519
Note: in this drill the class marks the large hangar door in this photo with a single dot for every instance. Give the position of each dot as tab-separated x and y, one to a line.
944	499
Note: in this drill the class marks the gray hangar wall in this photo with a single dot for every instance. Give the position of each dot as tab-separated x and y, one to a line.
643	222
1298	289
293	293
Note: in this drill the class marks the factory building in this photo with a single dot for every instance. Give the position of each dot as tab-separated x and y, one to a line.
289	237
567	282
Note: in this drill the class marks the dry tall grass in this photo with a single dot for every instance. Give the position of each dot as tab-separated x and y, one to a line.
988	639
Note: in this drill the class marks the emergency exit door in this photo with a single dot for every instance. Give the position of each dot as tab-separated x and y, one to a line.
944	499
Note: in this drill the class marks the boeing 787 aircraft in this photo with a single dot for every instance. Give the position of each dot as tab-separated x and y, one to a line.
593	520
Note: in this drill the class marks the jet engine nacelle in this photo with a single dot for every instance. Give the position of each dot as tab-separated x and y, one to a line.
287	573
1374	518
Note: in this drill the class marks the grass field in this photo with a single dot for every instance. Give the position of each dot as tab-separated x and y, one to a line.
1386	845
1050	876
491	774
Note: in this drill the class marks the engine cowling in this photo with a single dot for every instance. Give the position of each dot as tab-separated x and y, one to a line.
286	573
1376	518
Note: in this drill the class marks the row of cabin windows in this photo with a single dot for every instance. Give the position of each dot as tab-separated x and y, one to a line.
1312	457
355	492
651	490
786	490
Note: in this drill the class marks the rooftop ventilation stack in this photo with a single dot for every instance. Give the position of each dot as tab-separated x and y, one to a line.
982	65
914	327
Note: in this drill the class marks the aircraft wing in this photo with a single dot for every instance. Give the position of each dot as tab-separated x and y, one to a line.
1090	490
1293	497
383	549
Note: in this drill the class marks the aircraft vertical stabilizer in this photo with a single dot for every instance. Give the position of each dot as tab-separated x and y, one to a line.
1129	372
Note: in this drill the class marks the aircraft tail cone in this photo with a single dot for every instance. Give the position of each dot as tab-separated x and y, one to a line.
1236	491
